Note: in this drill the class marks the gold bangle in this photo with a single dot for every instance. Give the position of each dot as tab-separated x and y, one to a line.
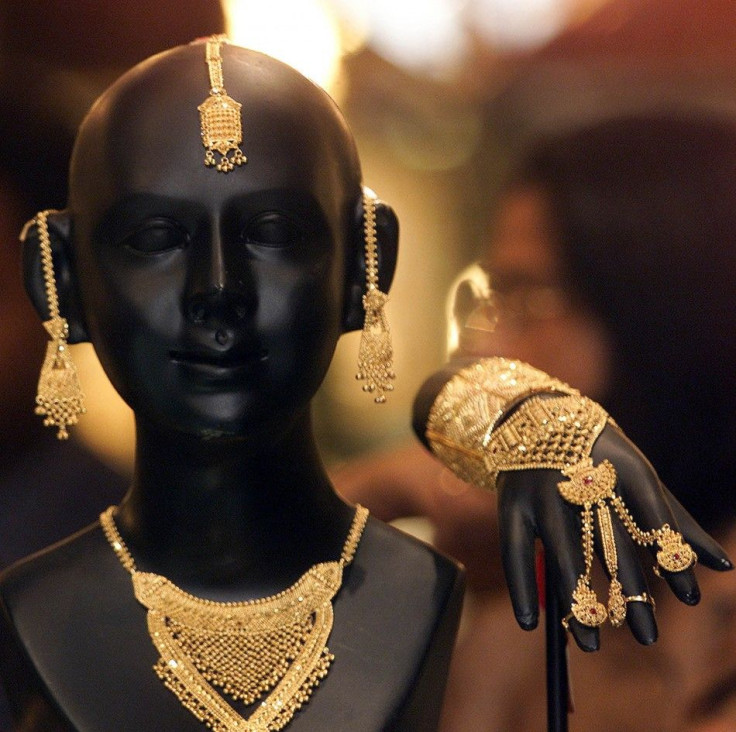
472	403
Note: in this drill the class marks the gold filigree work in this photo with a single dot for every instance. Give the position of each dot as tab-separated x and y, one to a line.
219	116
59	397
271	651
375	353
500	415
472	403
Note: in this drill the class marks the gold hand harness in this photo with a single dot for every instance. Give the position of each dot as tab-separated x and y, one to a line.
492	417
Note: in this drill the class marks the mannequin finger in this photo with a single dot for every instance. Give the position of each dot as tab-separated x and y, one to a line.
637	482
683	584
517	539
639	602
586	637
651	515
647	505
650	502
641	619
559	531
709	552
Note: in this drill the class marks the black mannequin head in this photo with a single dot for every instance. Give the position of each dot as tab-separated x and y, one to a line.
214	300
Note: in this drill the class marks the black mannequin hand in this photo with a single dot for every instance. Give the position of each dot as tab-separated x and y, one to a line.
531	507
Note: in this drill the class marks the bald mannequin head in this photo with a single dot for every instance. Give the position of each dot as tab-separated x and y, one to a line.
213	298
144	133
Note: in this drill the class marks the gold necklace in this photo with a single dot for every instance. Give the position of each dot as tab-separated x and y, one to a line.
273	646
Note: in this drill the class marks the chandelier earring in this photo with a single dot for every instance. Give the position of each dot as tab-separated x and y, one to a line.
59	398
375	355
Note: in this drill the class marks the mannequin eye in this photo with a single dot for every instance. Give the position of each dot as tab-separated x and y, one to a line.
156	236
271	230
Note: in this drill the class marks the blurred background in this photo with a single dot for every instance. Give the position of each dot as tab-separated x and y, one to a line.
440	95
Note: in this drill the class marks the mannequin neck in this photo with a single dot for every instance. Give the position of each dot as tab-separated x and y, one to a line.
216	514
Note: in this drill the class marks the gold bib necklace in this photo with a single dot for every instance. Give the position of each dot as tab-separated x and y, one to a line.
274	646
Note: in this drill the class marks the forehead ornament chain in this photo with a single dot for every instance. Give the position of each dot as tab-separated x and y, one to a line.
219	116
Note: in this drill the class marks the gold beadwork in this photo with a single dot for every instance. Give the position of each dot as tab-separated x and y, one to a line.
674	555
59	397
375	354
499	415
274	647
472	403
546	433
219	115
585	606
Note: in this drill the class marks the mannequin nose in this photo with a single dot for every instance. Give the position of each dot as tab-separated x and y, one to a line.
219	306
218	292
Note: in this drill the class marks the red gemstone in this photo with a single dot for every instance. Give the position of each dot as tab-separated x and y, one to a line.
676	555
593	611
588	479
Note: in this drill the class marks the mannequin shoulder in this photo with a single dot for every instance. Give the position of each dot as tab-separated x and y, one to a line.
396	617
57	572
385	547
395	570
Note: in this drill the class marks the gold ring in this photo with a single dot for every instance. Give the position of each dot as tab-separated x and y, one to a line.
644	597
566	621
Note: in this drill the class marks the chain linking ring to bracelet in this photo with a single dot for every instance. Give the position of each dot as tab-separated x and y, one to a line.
499	415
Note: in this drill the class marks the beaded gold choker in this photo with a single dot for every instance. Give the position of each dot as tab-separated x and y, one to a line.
271	649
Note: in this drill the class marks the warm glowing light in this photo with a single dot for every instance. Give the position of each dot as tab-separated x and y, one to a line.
433	37
519	23
469	289
302	33
426	37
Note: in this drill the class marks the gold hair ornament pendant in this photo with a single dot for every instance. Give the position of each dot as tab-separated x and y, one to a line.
59	397
375	354
271	652
219	116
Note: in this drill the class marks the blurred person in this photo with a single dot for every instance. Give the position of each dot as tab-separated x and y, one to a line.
611	262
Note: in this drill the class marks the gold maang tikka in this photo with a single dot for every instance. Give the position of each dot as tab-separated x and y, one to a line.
219	115
59	398
375	355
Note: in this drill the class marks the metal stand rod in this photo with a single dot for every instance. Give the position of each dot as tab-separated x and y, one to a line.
557	680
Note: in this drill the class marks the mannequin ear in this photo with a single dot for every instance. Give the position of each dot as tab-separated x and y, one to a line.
59	224
387	235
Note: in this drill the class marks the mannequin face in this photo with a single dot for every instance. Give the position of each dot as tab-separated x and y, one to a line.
536	319
213	300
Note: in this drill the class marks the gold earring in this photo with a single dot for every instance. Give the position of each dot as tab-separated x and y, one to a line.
375	355
59	397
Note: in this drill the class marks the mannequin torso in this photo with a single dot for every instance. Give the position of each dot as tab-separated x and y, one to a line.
214	301
395	618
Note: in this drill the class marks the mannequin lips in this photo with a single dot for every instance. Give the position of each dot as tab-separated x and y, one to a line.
214	365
